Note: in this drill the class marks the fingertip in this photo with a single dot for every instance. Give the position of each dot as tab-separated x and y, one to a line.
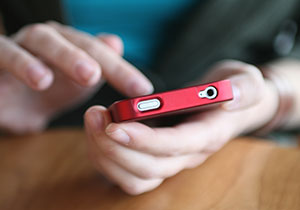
234	103
138	88
87	73
46	82
149	89
125	133
39	77
115	132
94	109
95	78
96	118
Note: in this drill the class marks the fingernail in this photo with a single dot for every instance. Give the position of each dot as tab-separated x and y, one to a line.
38	76
45	82
84	70
136	88
118	135
234	104
96	120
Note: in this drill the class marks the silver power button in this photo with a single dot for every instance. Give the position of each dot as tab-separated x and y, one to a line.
148	105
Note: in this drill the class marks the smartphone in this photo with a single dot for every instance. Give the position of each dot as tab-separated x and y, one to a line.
171	102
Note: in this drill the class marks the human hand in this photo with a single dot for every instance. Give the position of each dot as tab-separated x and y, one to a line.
47	68
139	158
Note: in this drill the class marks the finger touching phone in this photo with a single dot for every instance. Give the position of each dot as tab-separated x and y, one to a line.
171	102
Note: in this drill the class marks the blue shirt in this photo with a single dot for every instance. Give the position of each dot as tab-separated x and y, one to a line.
141	24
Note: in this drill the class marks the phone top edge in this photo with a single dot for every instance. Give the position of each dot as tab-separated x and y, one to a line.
179	89
126	110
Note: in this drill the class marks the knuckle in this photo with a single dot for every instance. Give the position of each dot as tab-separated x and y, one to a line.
38	28
15	58
109	151
69	54
33	31
19	63
194	162
76	54
149	173
174	152
140	142
254	71
52	22
90	47
135	144
133	188
153	170
64	53
119	68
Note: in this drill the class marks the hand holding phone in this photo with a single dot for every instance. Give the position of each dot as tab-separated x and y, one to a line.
171	102
139	157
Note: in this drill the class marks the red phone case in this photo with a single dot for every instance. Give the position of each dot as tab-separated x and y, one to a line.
170	102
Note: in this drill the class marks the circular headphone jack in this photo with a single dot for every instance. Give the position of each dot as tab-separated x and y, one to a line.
210	93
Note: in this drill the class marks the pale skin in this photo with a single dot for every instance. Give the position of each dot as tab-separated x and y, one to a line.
48	68
133	155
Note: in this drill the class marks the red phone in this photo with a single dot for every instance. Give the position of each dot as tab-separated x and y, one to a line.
171	102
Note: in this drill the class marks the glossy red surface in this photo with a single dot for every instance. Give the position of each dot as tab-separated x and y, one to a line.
171	102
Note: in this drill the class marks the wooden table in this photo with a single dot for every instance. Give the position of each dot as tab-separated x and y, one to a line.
51	171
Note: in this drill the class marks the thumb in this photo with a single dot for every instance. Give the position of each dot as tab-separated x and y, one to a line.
247	82
113	41
247	91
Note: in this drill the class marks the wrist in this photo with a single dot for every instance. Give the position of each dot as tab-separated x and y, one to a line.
269	104
259	114
285	102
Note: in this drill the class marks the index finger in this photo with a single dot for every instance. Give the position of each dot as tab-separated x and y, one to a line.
118	72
